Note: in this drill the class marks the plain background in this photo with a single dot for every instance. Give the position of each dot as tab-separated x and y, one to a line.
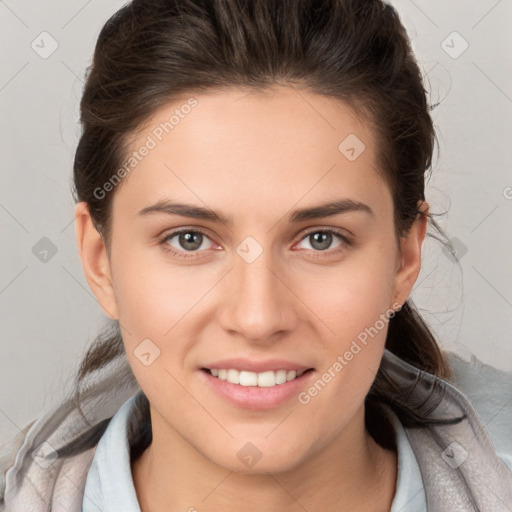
48	313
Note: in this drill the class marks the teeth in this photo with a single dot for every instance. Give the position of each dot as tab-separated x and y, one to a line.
263	380
280	376
233	376
245	378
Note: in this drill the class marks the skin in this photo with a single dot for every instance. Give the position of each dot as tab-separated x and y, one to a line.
255	157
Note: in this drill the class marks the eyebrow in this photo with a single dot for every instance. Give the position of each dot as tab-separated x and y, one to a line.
329	209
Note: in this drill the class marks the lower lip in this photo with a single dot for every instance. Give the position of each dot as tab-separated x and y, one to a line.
255	397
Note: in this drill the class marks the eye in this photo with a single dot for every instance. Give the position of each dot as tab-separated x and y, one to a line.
185	240
320	240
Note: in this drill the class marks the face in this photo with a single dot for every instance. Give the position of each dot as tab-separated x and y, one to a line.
249	274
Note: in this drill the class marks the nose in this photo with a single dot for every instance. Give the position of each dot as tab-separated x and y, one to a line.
258	301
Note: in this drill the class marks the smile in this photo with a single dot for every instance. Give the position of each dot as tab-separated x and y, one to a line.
265	379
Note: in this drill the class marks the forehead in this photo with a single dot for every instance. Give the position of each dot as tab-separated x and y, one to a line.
246	148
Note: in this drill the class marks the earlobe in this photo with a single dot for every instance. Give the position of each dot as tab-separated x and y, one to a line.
95	261
410	257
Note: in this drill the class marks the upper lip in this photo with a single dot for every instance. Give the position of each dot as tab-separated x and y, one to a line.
256	366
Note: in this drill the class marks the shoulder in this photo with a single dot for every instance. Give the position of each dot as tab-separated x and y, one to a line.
489	391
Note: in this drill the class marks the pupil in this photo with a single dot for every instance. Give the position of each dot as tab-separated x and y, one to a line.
190	240
324	240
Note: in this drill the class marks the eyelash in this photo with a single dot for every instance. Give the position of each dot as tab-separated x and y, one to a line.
317	254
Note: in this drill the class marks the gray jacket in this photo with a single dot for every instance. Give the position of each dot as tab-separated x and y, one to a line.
459	463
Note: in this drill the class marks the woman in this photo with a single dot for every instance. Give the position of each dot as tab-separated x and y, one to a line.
250	214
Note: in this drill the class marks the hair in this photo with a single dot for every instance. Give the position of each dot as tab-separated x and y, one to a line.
151	53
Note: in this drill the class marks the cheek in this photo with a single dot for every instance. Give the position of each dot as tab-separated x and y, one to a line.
159	302
351	296
352	304
149	294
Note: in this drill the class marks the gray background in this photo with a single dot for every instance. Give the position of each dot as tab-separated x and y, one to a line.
48	313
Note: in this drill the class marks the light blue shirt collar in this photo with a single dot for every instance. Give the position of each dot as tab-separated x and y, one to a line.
410	491
109	486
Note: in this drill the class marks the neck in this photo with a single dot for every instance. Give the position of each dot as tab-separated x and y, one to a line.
353	471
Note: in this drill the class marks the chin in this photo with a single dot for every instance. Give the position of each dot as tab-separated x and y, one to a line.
258	458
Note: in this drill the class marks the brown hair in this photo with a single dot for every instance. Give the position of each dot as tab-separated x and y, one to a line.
149	53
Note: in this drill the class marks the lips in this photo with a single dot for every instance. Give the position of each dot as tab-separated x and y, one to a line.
255	394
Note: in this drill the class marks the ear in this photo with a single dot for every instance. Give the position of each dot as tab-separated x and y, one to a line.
410	257
95	261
